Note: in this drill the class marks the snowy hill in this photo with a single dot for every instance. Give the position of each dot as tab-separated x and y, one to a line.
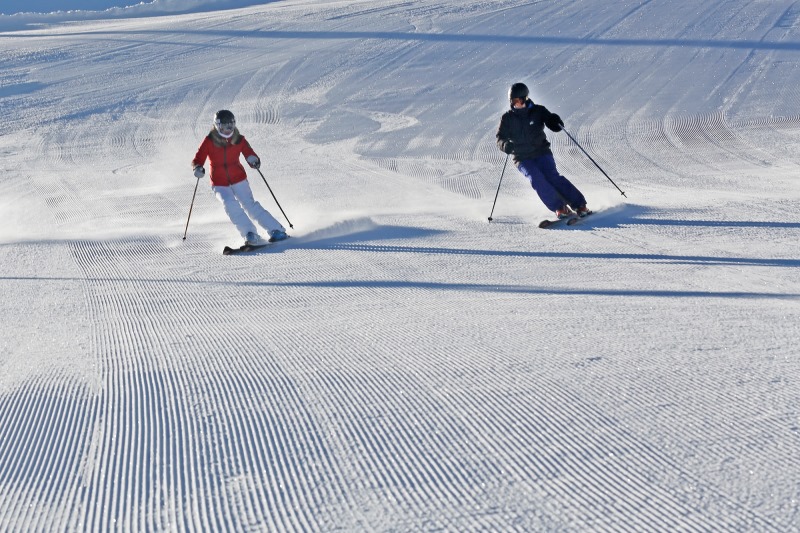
24	14
402	363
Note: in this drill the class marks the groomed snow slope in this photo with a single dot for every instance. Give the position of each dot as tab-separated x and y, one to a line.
402	363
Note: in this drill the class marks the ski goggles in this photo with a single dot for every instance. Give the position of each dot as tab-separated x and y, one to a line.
226	127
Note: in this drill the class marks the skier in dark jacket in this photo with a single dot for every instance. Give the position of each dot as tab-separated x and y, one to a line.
521	134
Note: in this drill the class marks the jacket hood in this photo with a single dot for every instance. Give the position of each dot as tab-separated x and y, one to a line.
528	105
219	140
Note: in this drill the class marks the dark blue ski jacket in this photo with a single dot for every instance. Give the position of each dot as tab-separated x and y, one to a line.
521	132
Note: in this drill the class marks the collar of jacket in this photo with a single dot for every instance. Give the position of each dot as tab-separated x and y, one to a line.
219	140
528	106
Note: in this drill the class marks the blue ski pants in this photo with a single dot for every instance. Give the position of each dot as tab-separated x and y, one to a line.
553	189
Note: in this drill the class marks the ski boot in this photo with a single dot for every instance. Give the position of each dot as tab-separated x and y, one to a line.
277	235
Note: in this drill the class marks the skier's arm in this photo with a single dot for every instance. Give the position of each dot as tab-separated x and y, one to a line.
250	155
504	143
200	159
553	121
201	155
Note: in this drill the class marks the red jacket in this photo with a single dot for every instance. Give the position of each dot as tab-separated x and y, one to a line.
226	169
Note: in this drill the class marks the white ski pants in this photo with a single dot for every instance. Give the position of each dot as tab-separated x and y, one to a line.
243	209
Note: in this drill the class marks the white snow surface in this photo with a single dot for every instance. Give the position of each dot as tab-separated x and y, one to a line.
22	14
402	363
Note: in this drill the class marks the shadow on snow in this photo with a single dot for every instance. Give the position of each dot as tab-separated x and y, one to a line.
450	37
424	285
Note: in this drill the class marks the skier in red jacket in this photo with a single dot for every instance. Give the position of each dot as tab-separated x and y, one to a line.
222	147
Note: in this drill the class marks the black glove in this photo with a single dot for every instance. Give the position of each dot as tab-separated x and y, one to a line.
509	147
554	122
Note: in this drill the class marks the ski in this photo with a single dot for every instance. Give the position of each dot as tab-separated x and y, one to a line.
547	223
569	221
247	248
576	220
243	249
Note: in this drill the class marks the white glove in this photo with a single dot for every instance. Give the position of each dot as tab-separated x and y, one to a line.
253	161
199	172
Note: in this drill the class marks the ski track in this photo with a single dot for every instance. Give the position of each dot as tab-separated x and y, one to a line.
419	369
399	447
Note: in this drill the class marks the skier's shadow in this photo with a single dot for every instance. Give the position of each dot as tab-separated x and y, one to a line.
364	241
629	214
720	223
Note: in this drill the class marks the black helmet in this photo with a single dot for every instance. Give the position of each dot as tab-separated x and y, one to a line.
518	90
224	122
223	115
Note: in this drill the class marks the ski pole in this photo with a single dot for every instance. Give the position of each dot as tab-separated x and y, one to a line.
273	197
593	161
185	231
498	187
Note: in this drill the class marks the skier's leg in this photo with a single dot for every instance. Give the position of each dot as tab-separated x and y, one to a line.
547	193
565	188
254	209
234	210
